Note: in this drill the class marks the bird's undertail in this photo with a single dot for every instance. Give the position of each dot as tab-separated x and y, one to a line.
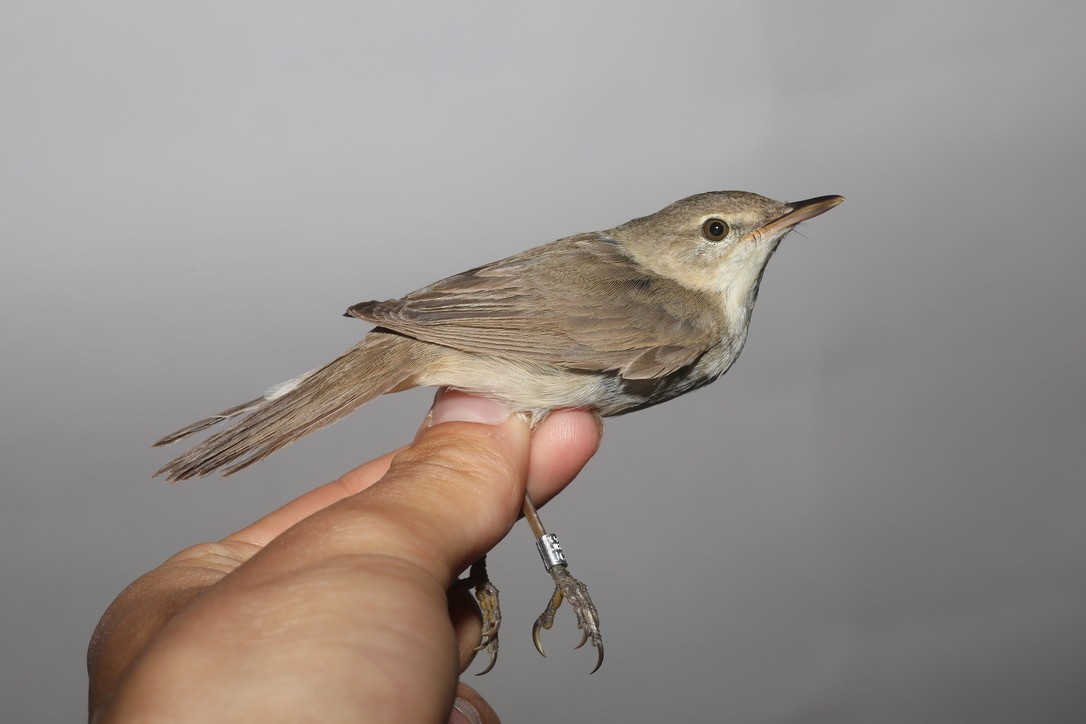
286	412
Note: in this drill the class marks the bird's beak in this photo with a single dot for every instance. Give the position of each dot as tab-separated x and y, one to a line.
800	211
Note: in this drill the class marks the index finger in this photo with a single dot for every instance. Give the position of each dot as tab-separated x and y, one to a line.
563	443
272	525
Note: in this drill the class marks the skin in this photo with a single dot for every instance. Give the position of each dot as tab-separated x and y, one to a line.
338	606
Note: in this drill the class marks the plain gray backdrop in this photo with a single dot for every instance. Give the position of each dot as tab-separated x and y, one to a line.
877	515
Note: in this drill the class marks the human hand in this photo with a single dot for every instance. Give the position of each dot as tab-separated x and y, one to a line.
338	606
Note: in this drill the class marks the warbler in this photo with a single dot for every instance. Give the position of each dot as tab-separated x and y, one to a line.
612	321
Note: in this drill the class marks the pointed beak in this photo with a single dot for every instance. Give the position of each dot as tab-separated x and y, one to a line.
800	211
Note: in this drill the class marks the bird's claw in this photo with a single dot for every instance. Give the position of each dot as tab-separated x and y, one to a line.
536	628
566	587
493	660
599	659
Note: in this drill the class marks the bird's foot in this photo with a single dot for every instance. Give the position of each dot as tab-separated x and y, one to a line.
487	596
566	587
486	593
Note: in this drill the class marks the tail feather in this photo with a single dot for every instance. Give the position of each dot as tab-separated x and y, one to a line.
209	421
374	366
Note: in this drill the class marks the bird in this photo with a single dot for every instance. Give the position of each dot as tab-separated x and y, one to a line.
611	321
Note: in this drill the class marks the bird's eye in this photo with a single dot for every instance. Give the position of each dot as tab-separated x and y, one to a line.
714	229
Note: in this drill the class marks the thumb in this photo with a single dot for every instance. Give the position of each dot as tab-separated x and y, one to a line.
459	487
445	500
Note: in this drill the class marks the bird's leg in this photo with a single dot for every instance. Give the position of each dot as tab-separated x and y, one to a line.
487	596
566	587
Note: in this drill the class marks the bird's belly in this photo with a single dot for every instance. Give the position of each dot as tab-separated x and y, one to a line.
524	385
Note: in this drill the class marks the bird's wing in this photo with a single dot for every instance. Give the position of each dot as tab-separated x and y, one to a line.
579	302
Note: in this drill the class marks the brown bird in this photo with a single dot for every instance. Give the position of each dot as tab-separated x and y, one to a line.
611	321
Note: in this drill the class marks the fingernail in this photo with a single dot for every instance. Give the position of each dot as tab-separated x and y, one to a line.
453	406
464	713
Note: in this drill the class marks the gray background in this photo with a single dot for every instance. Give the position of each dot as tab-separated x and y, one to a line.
877	515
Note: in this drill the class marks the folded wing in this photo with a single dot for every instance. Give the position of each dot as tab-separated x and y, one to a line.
583	305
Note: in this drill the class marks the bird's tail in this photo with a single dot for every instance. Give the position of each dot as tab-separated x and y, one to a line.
286	412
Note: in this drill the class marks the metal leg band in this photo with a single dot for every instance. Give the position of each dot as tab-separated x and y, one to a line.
550	550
